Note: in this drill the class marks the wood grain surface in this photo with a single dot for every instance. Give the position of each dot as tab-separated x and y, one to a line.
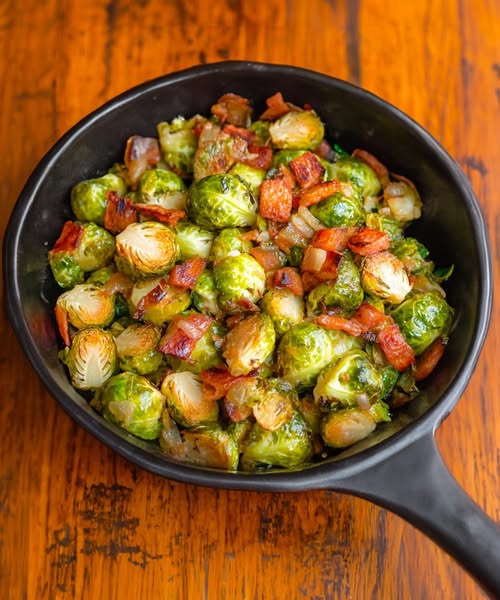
78	521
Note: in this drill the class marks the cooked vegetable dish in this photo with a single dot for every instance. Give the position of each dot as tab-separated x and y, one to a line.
245	294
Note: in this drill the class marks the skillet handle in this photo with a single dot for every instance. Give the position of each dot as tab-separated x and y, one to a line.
416	485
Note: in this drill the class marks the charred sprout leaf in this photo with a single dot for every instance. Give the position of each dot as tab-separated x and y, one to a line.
137	348
297	131
178	143
288	447
230	242
285	308
193	241
88	198
249	344
205	354
240	280
384	275
219	201
91	360
339	210
185	400
162	187
205	294
132	402
344	428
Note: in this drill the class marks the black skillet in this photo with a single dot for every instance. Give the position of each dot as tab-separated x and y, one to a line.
398	467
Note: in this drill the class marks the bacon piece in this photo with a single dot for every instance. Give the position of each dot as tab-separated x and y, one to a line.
118	283
168	216
324	150
289	278
307	169
269	260
186	274
183	335
275	200
310	281
334	239
351	326
318	192
276	107
369	241
141	153
217	382
396	349
247	304
233	320
119	213
380	170
233	109
69	239
153	297
259	157
247	134
372	318
62	324
427	361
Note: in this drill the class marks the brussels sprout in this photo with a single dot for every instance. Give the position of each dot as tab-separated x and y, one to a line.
251	176
386	224
94	248
311	413
350	168
166	304
133	403
403	201
102	275
380	412
86	304
230	242
422	318
413	255
193	241
389	379
249	344
178	143
219	201
239	279
91	360
289	446
303	352
344	292
239	431
297	130
88	198
162	187
384	275
339	210
146	249
351	381
344	428
261	130
205	354
185	400
137	348
205	294
285	308
274	403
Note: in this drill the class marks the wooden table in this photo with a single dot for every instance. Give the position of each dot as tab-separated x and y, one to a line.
78	521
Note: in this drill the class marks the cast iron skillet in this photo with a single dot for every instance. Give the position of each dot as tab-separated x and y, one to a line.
398	467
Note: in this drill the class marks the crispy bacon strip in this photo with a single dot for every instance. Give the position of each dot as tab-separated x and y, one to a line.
369	241
380	170
233	109
169	216
141	153
247	134
119	213
118	283
69	239
183	335
318	192
351	326
427	361
310	281
153	297
289	278
269	260
217	382
397	351
259	157
307	169
372	318
275	200
62	324
276	107
334	239
186	274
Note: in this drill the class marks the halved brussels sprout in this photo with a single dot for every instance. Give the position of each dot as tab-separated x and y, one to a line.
297	130
344	428
205	294
167	303
249	344
91	359
344	292
303	352
274	403
186	403
230	242
386	224
422	318
146	249
384	275
311	413
86	304
353	380
178	143
289	446
162	187
193	241
133	403
222	200
88	198
137	348
413	255
339	210
251	176
239	279
285	308
205	354
350	168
